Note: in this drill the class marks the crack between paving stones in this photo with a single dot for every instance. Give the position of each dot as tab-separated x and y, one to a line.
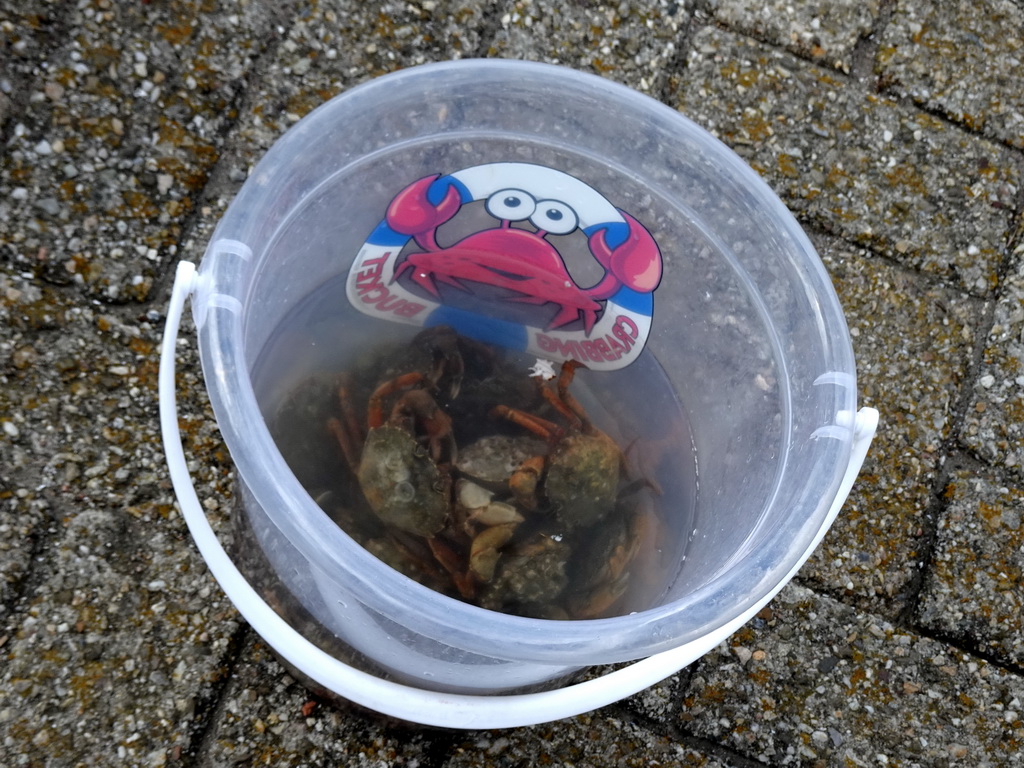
727	755
865	50
958	641
490	27
950	449
21	90
41	552
821	228
947	118
957	455
675	67
210	709
281	18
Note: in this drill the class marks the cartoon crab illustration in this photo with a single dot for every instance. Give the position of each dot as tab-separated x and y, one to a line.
518	259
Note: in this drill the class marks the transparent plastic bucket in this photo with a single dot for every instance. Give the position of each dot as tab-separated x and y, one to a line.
746	332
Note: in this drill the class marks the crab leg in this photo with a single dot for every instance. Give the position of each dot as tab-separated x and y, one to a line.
564	381
559	405
348	413
540	427
349	447
454	565
375	408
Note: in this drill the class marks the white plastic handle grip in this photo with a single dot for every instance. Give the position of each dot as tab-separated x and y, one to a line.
403	701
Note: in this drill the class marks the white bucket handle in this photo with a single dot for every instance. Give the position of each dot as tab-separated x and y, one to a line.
402	701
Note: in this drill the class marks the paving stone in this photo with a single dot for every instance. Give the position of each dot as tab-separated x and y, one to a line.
828	33
331	45
876	172
994	423
913	342
594	739
115	641
659	702
119	128
974	590
814	682
962	59
266	718
632	42
118	632
23	515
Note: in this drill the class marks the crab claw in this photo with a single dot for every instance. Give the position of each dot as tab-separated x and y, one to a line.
635	263
413	213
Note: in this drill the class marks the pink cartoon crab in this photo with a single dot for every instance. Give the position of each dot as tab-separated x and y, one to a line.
518	259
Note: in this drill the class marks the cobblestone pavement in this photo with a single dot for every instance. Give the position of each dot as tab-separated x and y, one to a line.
893	129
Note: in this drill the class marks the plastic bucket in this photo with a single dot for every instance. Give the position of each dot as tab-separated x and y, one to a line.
699	280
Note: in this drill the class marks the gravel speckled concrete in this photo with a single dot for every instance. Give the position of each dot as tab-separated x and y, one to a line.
972	591
914	341
632	42
827	33
995	419
813	681
962	59
854	163
893	130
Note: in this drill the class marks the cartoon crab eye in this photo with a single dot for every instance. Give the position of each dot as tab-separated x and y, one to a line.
511	205
554	217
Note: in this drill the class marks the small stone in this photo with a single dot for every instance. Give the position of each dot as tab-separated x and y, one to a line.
49	205
10	429
43	148
742	653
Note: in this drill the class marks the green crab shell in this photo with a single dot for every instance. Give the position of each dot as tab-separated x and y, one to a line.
401	483
583	479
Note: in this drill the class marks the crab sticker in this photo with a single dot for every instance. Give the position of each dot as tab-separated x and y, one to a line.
485	250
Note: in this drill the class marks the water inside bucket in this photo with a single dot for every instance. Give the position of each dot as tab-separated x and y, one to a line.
296	380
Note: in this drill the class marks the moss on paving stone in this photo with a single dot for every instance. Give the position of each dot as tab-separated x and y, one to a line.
828	33
962	59
872	170
913	341
813	682
974	590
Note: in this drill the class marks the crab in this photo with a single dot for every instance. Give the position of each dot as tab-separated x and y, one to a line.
531	578
520	261
403	466
404	462
580	475
538	524
603	566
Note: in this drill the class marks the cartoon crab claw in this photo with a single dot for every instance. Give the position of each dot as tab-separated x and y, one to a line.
412	212
636	263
